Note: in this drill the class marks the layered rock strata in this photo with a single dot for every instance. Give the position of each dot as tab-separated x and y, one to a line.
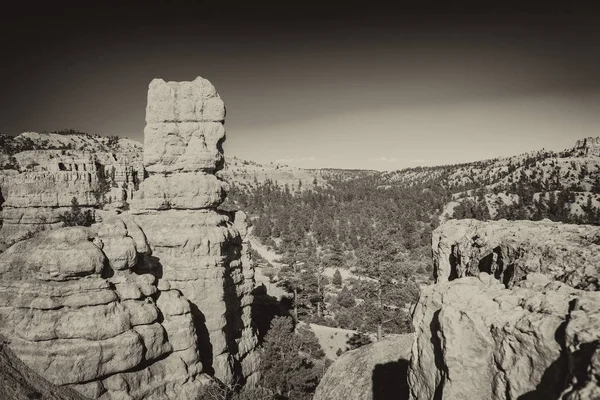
43	184
74	311
196	249
510	250
477	339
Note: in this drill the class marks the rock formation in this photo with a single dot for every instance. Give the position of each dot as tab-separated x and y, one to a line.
74	311
48	171
376	371
510	250
197	249
587	147
149	304
477	339
19	382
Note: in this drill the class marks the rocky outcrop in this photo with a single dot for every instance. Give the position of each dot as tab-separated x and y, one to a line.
376	371
196	249
75	312
48	171
587	147
477	339
19	382
149	304
510	250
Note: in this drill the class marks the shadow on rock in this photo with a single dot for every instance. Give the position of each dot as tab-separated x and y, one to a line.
390	381
266	307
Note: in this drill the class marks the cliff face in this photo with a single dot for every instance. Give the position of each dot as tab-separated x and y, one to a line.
512	250
196	249
477	339
47	171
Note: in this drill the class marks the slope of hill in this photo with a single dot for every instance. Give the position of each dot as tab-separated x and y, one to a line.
562	186
379	224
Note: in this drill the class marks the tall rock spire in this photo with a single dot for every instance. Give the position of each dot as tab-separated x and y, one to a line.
196	249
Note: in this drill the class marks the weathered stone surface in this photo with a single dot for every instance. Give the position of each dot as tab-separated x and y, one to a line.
477	339
184	127
196	250
372	372
49	170
147	304
583	346
77	314
19	382
182	191
512	249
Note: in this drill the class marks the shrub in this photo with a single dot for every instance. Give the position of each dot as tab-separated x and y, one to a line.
358	340
75	217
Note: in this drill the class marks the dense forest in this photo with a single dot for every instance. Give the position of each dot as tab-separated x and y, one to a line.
378	227
381	234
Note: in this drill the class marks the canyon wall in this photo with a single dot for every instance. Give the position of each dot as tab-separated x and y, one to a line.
40	183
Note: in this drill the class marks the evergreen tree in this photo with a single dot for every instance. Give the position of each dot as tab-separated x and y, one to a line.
358	340
285	370
337	278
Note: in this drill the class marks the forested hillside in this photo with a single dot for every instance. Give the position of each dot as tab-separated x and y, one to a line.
376	227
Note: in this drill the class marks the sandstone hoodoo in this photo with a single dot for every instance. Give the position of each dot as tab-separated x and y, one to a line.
196	249
151	303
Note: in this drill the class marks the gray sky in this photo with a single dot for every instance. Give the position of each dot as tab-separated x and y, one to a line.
347	88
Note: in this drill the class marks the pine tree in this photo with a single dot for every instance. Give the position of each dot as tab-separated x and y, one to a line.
358	340
285	370
337	278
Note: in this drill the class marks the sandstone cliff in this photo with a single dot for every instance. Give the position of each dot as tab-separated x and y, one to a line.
149	304
477	339
43	173
511	250
74	310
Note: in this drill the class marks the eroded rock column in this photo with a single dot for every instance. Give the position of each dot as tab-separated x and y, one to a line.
196	249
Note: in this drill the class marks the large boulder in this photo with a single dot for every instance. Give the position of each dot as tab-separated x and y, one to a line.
373	372
477	339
